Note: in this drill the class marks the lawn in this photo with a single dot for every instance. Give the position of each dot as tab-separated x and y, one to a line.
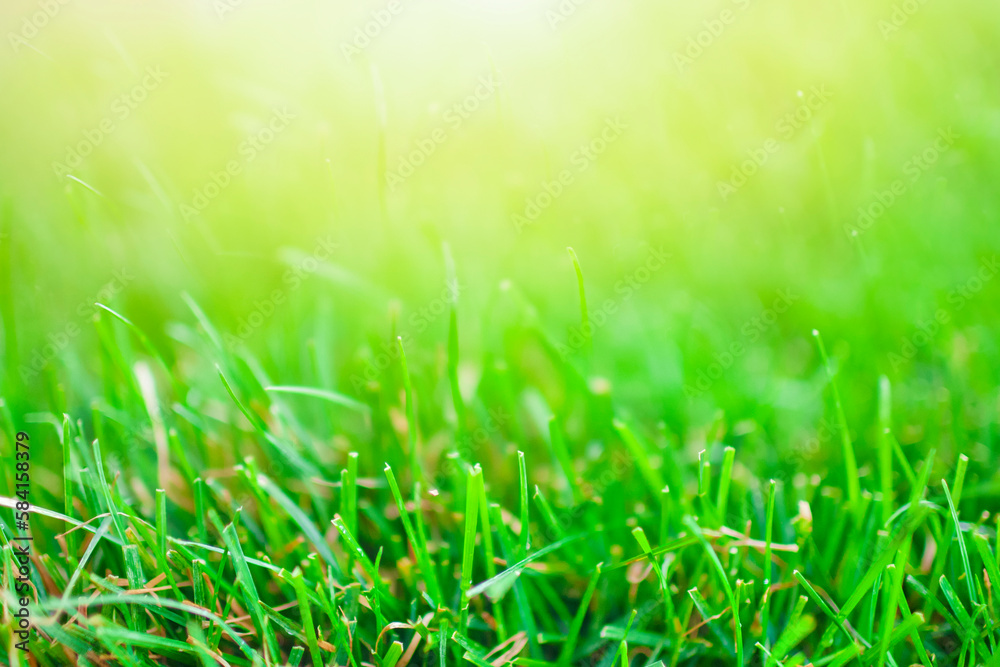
534	332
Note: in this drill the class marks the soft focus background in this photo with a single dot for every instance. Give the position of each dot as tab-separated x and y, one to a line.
119	119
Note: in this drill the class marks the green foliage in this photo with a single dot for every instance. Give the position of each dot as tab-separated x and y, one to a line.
345	414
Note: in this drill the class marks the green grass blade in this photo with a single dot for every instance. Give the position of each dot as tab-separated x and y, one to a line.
850	462
714	559
325	394
969	578
572	635
419	548
885	445
525	532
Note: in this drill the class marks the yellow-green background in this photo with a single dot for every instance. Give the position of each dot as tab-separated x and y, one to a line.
656	186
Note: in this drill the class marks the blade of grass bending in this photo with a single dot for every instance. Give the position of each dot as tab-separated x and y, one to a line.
106	491
490	585
101	532
640	537
690	523
914	517
712	620
850	462
356	549
331	396
818	599
566	654
419	548
299	517
169	648
152	602
673	545
469	544
281	447
411	414
969	578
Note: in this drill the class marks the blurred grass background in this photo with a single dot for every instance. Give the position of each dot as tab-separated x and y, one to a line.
560	80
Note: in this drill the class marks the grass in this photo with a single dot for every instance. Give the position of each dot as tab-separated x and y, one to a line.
314	556
546	398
